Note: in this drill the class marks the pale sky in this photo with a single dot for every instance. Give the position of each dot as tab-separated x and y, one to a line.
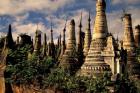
24	15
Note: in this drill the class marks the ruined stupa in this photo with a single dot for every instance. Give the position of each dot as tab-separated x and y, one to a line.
133	66
69	60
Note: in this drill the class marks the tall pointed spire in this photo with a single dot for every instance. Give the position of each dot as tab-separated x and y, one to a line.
87	40
51	45
80	25
51	33
63	46
59	47
60	41
94	64
79	45
137	36
89	19
45	45
10	41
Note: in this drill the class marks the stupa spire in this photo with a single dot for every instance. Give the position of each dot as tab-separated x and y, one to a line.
51	46
63	46
51	33
79	43
10	41
100	25
45	45
87	40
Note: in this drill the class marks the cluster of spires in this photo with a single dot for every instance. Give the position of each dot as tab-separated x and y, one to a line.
88	54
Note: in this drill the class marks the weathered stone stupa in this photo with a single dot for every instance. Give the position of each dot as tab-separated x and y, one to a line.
68	60
87	39
133	67
94	62
128	40
129	45
137	35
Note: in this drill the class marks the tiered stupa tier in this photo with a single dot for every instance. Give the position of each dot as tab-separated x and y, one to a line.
94	64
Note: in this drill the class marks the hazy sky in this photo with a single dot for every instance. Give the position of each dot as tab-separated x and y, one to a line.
24	15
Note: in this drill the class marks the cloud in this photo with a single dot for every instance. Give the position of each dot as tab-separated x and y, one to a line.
2	34
21	17
70	9
115	25
126	2
29	29
13	7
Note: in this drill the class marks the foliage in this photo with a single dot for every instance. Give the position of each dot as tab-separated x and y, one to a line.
138	54
124	85
61	79
20	70
97	85
137	83
44	73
